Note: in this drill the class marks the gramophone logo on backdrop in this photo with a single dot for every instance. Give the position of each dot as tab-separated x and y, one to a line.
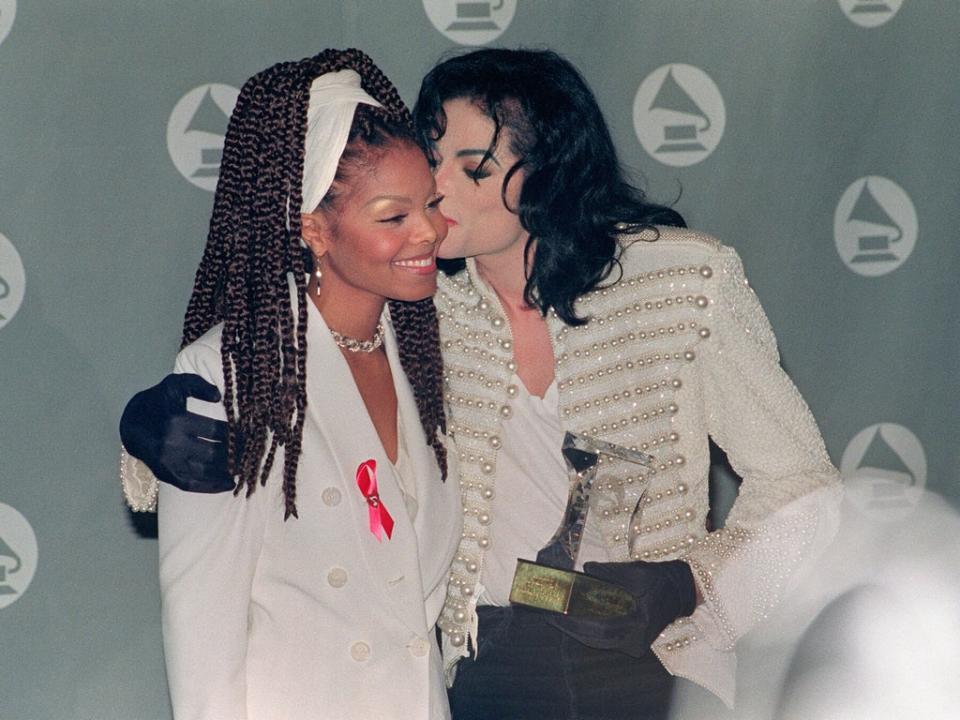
875	226
885	470
18	555
870	13
13	281
8	10
195	132
679	115
471	22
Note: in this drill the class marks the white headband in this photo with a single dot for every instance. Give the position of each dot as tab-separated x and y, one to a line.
333	100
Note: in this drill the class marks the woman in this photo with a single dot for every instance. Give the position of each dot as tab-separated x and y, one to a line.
579	310
315	595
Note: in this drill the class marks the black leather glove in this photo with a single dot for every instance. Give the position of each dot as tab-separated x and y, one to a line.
183	449
664	592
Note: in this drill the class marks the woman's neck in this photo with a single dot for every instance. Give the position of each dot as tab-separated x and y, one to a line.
355	317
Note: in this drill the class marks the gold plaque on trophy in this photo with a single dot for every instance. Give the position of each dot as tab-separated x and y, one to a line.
551	583
568	592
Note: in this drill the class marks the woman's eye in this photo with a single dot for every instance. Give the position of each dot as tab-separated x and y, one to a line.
435	203
395	219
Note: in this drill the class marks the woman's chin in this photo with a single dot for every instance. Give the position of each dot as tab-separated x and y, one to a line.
418	291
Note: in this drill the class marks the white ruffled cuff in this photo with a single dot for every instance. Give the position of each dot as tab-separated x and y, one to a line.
140	487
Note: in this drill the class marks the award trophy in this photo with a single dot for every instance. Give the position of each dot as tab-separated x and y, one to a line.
551	583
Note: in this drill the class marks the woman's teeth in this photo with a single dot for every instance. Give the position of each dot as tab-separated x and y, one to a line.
422	262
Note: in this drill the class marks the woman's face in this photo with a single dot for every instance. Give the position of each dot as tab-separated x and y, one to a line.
380	237
479	222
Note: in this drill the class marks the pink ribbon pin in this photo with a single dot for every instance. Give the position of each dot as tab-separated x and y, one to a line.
380	520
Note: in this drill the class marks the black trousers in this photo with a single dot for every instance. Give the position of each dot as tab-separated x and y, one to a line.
526	669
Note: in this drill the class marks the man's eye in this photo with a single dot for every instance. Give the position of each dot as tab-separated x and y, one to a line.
394	219
435	203
477	173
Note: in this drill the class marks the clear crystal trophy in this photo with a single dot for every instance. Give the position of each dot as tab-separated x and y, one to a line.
551	583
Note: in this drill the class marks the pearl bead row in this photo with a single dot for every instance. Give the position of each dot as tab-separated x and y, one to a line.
705	271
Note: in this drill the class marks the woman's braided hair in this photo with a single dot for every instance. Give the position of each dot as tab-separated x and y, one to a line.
243	276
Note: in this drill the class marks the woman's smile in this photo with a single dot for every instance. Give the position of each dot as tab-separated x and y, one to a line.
422	264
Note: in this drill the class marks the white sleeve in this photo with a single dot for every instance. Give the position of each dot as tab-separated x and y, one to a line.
788	505
209	546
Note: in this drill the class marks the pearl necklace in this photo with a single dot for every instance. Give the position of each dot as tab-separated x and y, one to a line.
353	345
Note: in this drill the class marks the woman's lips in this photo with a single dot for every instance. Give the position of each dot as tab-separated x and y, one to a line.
424	264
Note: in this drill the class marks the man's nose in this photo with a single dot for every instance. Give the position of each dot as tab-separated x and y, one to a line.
441	175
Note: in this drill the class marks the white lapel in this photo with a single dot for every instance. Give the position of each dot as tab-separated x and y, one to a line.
439	515
336	408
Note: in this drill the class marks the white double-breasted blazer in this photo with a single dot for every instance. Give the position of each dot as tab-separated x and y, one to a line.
312	617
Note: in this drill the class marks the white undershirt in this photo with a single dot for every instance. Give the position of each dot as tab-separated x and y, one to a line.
532	488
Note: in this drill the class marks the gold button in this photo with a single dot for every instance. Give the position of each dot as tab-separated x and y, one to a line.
360	651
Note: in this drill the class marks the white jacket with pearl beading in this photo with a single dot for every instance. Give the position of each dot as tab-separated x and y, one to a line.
677	350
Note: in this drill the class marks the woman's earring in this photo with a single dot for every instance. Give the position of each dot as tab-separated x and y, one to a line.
317	274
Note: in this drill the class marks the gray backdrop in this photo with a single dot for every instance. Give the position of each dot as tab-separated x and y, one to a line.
819	137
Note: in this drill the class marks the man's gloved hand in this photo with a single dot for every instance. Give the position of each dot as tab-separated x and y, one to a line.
664	592
183	449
